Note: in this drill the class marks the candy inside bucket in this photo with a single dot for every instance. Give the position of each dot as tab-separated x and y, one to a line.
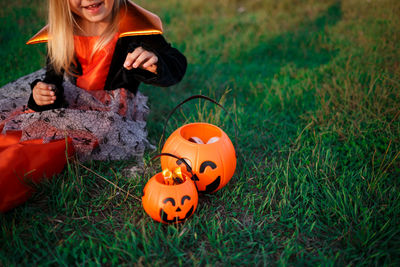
198	140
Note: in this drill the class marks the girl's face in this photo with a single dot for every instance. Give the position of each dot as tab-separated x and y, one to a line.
92	11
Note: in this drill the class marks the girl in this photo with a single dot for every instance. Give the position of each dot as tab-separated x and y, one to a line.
99	51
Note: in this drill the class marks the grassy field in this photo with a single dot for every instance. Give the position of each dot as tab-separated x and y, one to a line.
314	87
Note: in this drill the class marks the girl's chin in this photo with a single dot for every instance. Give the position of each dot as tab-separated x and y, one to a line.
95	17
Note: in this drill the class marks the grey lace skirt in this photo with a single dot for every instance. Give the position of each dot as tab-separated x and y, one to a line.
103	125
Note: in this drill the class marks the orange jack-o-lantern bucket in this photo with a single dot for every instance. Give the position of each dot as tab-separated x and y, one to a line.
169	203
206	148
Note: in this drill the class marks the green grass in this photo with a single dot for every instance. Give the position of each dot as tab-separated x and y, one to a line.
314	88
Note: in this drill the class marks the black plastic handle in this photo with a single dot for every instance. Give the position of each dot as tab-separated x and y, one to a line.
174	156
196	97
181	160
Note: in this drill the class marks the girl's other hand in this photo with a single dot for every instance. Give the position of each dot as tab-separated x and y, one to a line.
141	58
44	94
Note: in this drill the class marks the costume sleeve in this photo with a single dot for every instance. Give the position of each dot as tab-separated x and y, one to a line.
51	77
171	65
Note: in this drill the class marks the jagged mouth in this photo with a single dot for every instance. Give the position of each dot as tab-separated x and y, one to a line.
164	216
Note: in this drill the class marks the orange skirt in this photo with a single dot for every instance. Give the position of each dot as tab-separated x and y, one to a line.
23	164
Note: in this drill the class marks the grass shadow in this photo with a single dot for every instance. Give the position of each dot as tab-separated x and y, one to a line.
305	46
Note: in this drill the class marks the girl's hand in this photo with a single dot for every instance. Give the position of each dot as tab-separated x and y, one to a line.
141	58
43	94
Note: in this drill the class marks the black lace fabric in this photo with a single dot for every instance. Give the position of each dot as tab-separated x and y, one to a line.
103	125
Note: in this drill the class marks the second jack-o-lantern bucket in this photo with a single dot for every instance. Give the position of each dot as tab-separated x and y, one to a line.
169	203
212	163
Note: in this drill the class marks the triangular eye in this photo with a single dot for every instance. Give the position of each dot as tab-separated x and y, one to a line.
184	198
169	199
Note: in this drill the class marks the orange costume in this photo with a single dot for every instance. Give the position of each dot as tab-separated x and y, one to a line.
94	69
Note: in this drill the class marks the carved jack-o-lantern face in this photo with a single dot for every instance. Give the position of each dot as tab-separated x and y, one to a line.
176	210
169	203
209	176
213	165
211	187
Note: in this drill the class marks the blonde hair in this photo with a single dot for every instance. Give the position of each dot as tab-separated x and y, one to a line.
62	23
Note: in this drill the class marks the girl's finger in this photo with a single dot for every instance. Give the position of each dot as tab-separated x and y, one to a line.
45	100
44	86
141	59
45	92
43	95
151	61
131	57
128	61
42	103
152	68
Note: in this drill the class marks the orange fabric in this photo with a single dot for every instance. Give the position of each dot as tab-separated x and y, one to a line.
11	138
136	20
24	163
94	68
